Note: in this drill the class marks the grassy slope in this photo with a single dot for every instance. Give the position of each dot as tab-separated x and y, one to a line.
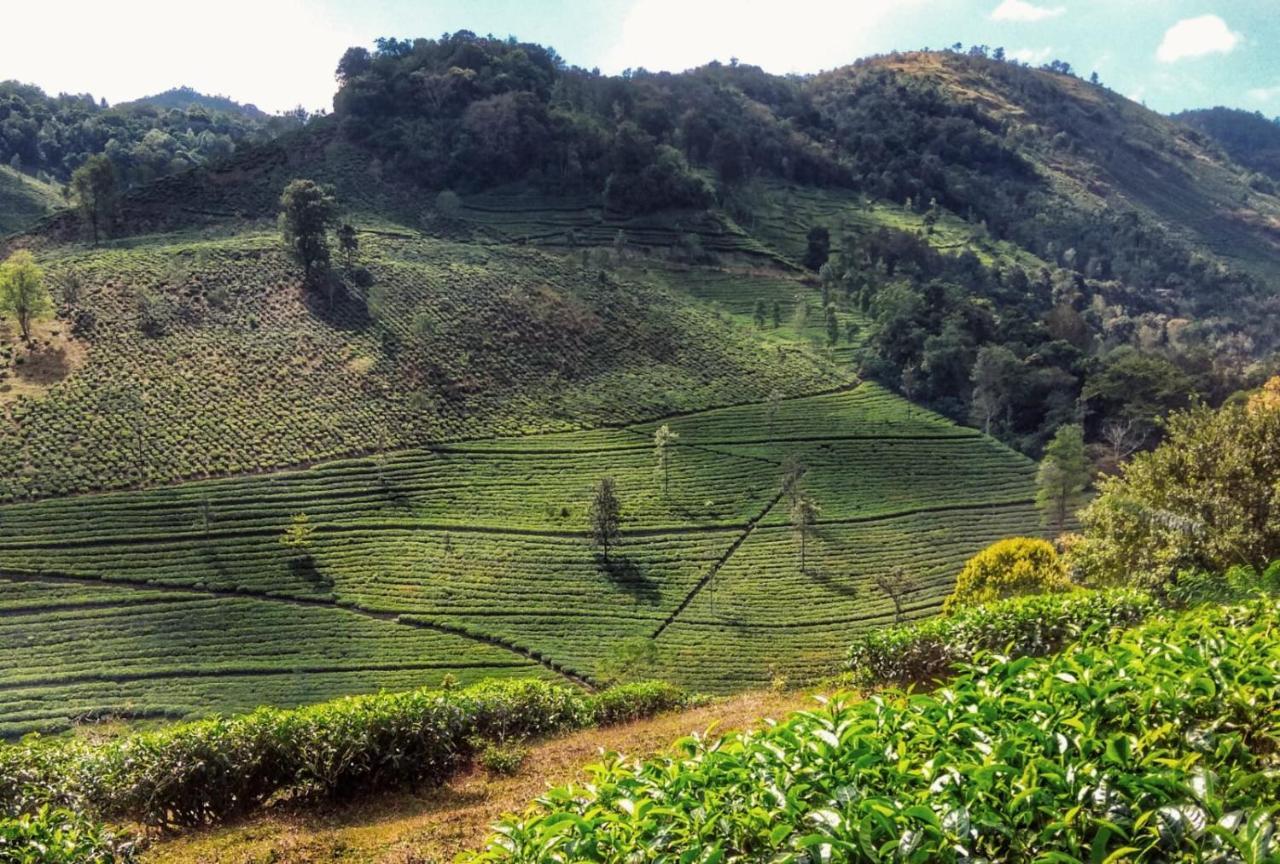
24	201
479	551
437	825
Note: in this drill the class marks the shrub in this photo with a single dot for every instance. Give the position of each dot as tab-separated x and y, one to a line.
1021	626
208	770
628	702
502	758
1153	745
1009	568
57	836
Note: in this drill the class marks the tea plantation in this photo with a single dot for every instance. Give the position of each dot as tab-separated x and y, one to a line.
473	559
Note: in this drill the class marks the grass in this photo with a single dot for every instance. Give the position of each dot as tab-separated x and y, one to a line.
474	557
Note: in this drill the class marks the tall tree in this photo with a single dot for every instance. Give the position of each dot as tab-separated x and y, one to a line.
349	244
22	290
307	210
804	515
1063	475
819	247
994	375
605	516
93	193
663	442
896	585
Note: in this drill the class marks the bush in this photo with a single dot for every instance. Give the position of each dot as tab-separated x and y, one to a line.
57	836
628	702
208	770
1022	626
1153	745
504	759
1009	568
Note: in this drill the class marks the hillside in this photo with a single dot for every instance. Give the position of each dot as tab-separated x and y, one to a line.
24	200
185	98
551	264
1248	138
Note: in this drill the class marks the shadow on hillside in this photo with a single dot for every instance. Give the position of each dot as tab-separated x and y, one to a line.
349	311
626	574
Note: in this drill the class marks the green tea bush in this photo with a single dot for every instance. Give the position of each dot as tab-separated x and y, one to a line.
628	702
57	836
1156	744
1021	626
201	772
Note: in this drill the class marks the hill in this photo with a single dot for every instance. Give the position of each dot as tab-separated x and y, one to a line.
185	98
25	200
1248	138
551	264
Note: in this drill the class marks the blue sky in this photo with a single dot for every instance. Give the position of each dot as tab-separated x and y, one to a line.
1171	54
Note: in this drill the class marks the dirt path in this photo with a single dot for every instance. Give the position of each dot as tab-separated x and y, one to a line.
401	828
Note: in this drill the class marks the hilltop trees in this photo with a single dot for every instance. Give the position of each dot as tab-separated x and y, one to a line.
22	290
1063	475
307	210
605	516
92	192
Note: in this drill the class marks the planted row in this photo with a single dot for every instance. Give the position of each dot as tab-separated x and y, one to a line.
208	770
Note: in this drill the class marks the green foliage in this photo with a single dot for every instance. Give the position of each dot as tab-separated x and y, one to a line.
1008	568
1063	476
1031	626
1162	755
605	515
503	758
297	534
307	210
201	772
22	290
1208	498
25	200
92	190
58	836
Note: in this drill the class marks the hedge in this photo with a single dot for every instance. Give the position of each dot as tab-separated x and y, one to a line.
208	770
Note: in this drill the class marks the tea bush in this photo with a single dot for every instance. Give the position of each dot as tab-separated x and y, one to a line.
201	772
1155	744
56	836
1009	568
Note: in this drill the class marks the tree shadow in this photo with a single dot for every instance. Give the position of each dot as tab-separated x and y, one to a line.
303	568
349	312
43	365
628	576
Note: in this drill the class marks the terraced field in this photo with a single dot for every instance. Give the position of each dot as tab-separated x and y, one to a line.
473	559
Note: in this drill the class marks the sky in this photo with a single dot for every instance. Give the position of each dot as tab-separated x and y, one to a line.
277	54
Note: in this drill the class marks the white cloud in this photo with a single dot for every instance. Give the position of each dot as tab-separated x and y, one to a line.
1264	94
1032	56
1022	11
796	36
1196	37
270	53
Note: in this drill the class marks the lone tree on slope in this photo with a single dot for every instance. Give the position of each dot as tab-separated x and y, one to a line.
307	209
22	290
663	443
605	516
92	191
804	514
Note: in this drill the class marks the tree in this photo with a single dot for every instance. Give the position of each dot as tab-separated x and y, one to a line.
896	584
1008	568
819	247
833	325
22	290
761	313
775	315
804	515
296	536
605	516
792	475
349	244
1063	476
1207	498
93	192
307	210
663	442
994	375
775	405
